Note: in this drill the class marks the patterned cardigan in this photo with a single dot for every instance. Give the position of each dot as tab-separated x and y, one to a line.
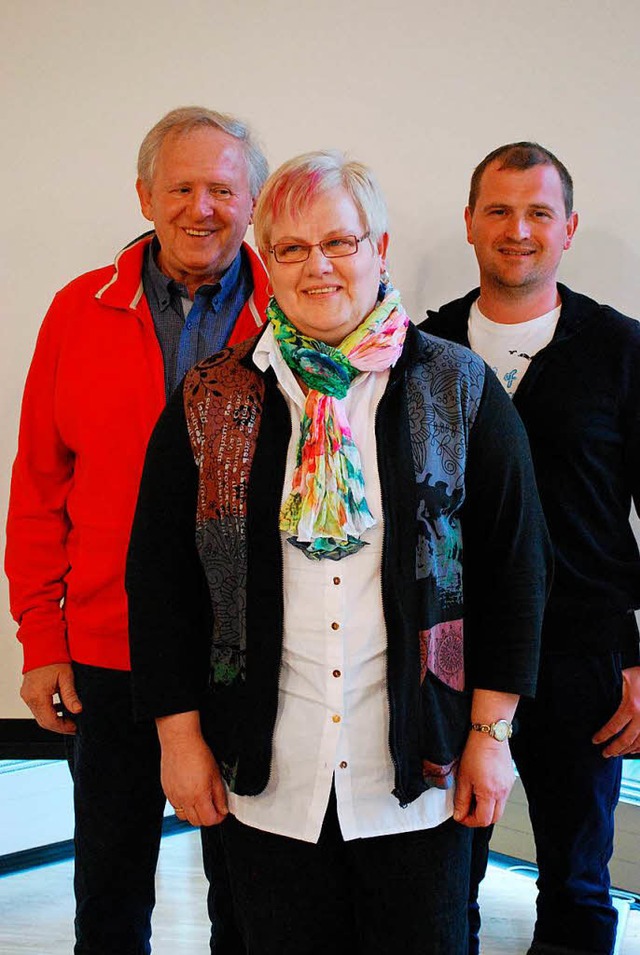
456	480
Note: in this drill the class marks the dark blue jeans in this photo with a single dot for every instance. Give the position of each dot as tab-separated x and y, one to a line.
385	895
572	792
119	805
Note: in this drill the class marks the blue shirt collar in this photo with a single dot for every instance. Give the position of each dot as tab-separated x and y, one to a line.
165	288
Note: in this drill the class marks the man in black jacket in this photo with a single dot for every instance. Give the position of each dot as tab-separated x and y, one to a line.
572	367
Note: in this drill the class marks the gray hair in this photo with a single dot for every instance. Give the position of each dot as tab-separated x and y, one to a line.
186	118
297	182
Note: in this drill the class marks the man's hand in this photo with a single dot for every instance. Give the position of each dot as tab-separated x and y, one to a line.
485	779
190	776
625	721
39	687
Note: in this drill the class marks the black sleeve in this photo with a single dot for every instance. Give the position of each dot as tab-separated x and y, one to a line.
507	552
169	608
631	418
631	651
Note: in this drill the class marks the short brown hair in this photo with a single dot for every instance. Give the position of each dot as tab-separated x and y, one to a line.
523	156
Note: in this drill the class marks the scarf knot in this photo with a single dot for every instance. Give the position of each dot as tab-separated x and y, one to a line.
322	372
326	510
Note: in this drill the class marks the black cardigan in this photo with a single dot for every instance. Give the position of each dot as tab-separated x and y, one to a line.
506	559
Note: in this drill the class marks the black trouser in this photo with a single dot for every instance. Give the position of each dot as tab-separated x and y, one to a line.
119	807
384	895
479	862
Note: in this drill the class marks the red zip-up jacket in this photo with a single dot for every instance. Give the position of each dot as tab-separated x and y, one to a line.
94	391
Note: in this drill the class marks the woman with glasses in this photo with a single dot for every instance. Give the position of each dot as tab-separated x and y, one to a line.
323	685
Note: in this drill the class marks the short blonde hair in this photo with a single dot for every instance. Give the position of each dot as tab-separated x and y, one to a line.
295	184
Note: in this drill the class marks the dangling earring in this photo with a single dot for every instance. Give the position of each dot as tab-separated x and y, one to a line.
269	289
384	285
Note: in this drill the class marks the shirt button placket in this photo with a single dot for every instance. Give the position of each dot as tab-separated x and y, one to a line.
335	647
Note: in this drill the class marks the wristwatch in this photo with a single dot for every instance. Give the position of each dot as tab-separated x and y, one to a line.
500	730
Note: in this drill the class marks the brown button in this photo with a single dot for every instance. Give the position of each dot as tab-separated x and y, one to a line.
335	626
337	673
336	581
343	764
335	718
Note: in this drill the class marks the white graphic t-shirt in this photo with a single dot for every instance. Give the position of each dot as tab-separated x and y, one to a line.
508	349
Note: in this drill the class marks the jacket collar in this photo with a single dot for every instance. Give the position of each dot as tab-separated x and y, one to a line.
577	310
451	320
261	294
124	289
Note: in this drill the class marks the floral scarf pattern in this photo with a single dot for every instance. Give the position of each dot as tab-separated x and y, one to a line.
326	511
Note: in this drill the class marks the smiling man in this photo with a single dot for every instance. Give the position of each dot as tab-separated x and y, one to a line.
572	367
113	347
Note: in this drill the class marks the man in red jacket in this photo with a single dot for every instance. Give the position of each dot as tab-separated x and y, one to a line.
113	346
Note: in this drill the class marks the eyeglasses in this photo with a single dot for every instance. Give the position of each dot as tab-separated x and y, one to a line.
334	248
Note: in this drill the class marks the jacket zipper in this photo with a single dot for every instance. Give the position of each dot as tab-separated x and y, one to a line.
398	792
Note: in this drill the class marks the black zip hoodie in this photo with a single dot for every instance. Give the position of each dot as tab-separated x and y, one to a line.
579	401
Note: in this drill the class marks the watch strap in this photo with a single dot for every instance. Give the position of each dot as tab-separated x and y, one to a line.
500	730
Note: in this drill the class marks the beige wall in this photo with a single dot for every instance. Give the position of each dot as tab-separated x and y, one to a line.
418	91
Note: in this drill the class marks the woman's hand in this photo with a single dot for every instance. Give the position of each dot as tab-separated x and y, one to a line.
190	776
485	775
485	779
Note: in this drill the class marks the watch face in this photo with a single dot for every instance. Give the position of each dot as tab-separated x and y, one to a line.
501	730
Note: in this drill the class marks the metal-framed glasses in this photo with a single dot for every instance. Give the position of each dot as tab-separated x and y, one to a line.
334	248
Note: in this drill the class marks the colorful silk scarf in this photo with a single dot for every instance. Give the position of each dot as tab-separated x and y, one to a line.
327	510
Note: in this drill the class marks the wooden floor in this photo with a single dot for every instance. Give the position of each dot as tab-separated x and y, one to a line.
36	908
